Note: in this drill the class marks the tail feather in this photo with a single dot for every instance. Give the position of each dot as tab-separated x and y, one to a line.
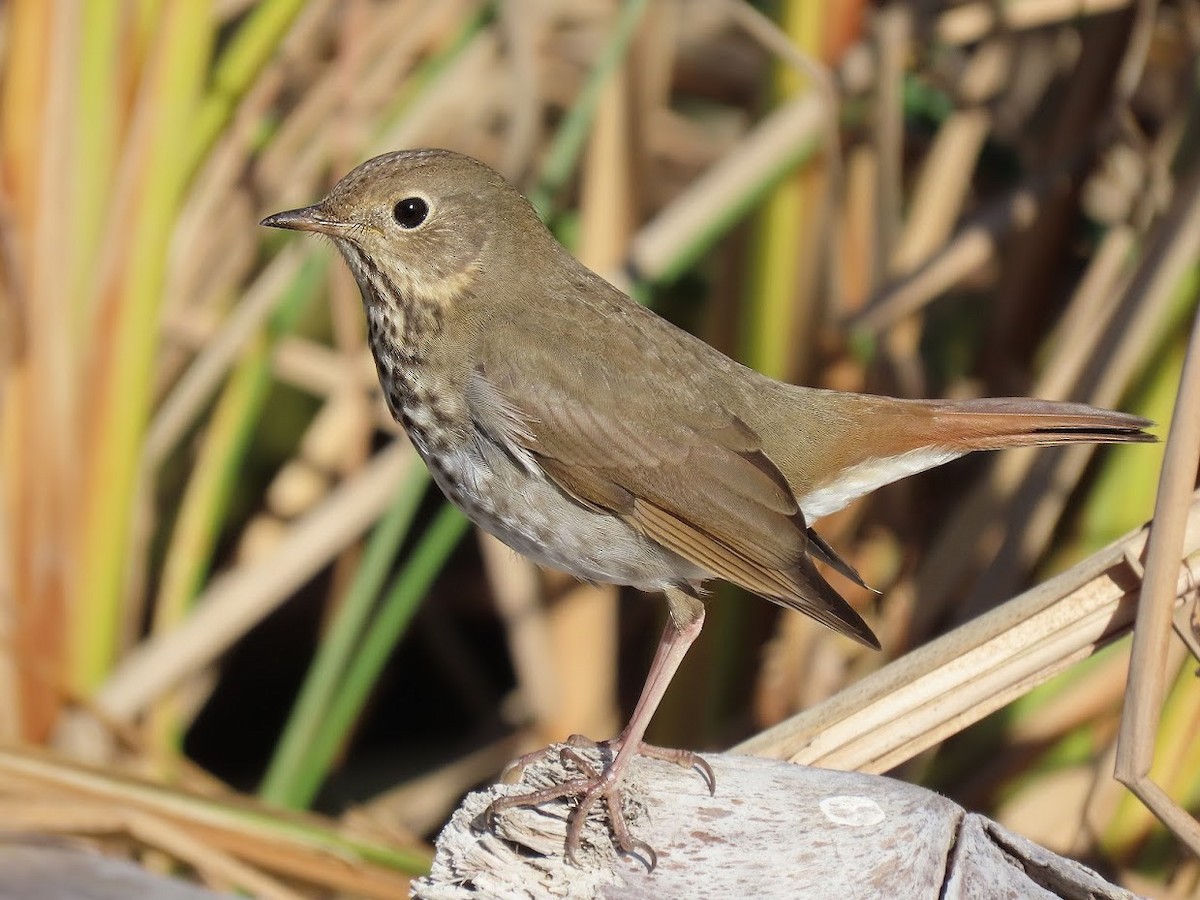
996	423
897	438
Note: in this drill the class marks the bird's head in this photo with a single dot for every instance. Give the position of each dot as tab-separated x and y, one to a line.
419	225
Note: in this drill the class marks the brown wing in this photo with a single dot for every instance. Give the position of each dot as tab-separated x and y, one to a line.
656	448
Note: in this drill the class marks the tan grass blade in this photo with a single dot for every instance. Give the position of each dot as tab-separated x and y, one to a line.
232	604
968	22
765	149
935	691
198	828
1147	676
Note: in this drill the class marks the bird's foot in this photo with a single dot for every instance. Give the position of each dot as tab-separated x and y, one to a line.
684	758
592	786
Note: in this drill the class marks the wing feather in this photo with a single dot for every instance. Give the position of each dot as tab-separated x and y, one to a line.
675	465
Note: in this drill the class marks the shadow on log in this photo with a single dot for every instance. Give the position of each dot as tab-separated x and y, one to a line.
774	829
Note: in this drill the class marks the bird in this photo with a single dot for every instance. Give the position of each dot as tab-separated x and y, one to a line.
596	437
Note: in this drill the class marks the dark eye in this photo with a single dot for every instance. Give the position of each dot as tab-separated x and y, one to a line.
410	212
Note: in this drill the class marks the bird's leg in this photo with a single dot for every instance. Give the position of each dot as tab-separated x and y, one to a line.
682	628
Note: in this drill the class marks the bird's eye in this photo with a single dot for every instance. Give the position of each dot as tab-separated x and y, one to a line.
410	212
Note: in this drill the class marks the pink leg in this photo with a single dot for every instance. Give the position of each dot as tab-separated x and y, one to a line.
676	638
683	626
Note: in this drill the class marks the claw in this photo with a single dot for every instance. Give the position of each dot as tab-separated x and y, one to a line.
685	758
625	841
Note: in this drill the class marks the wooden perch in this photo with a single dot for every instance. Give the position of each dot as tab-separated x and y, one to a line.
774	829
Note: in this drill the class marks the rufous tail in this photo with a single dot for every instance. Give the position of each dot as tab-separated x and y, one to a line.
996	423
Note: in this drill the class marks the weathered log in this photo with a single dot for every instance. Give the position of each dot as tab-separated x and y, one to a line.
773	829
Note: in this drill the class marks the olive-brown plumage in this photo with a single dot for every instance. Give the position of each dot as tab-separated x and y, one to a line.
594	436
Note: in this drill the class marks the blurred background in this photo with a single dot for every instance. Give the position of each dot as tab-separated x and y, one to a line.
221	565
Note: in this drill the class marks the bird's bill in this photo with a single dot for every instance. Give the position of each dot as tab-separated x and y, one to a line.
310	218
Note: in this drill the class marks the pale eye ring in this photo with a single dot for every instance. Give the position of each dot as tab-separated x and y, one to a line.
410	212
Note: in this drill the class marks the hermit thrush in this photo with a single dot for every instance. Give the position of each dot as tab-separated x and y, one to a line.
596	437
